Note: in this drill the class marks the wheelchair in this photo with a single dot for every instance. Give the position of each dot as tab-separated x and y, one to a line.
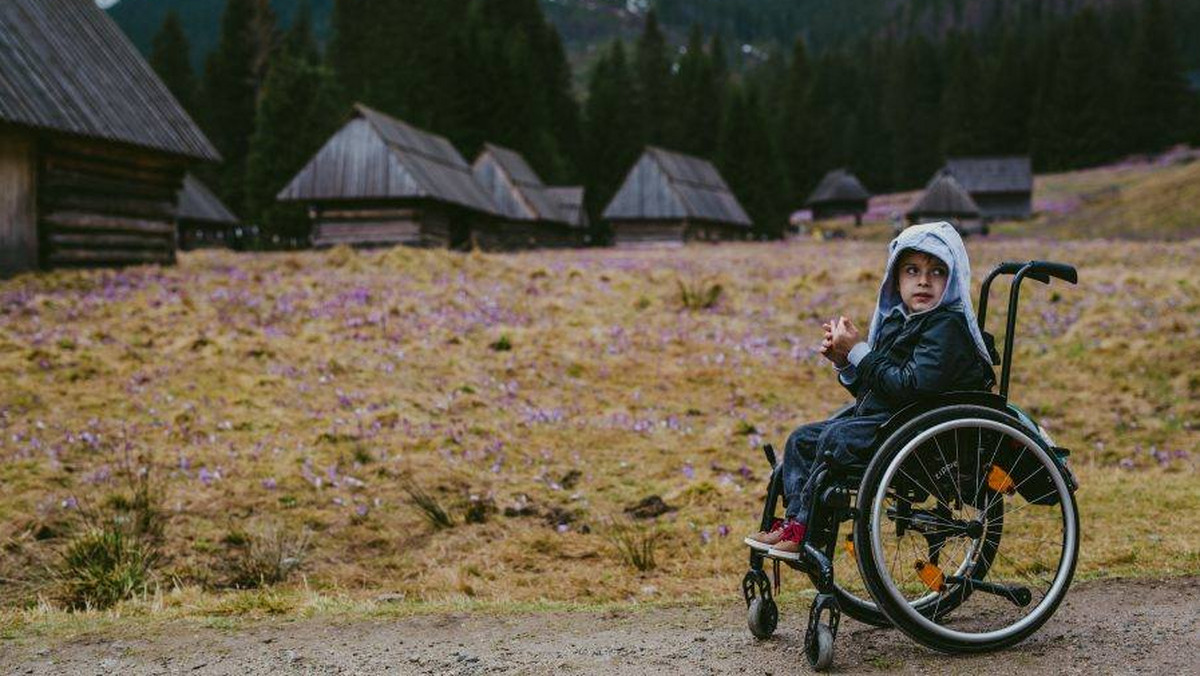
963	526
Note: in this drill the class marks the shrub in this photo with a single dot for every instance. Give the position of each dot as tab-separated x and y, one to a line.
634	544
103	566
502	345
267	556
698	295
428	506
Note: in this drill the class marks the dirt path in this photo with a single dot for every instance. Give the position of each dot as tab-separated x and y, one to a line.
1140	626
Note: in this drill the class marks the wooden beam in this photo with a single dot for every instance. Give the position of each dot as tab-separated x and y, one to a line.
79	220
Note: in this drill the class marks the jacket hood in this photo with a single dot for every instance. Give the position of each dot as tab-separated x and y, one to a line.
936	239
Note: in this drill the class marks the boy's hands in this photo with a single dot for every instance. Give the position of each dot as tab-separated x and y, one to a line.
840	335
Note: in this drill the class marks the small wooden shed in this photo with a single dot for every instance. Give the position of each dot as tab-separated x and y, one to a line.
1001	186
530	214
669	198
93	148
203	220
379	181
945	199
839	193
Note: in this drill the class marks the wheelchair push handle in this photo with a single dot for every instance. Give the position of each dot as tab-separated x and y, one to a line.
1061	271
1042	271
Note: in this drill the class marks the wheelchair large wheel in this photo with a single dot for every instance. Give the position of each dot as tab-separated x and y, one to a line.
935	504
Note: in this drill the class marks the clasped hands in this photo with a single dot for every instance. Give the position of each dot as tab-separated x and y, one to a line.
840	335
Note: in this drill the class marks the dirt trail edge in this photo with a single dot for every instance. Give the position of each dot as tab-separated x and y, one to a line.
1114	626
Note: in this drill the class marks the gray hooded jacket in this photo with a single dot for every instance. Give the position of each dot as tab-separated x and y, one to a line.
911	356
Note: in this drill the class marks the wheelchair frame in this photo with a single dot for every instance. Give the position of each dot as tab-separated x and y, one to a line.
837	492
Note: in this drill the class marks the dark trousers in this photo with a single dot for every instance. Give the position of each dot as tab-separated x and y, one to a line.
850	438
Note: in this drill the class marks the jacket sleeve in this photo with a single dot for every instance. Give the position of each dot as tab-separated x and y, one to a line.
848	377
944	352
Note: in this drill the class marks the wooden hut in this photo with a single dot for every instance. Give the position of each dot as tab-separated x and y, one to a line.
569	201
945	199
669	198
840	193
1001	186
93	148
202	220
529	212
379	181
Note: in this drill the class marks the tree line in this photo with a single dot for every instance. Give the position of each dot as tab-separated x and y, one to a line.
1071	91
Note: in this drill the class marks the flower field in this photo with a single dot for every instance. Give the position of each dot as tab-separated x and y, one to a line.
308	404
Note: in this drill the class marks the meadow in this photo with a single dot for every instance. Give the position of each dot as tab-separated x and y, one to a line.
439	427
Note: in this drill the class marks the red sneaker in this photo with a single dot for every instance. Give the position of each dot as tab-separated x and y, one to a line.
790	542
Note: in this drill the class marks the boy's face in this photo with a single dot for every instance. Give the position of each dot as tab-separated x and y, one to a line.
922	280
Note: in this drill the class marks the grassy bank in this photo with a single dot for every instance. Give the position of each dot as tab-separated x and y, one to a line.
288	410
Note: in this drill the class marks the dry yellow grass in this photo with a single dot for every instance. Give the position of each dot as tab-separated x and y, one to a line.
300	391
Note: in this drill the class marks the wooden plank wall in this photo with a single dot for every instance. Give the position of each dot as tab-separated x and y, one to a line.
18	215
367	226
648	233
100	204
521	234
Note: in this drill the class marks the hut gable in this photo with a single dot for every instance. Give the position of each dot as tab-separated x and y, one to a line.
982	175
837	186
515	189
375	156
944	196
66	67
665	185
198	203
569	202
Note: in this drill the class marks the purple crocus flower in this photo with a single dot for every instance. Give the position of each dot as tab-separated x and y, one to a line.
689	471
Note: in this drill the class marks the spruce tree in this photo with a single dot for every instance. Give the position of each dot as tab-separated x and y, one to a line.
652	65
170	58
610	131
796	132
299	109
1008	100
748	162
1078	125
962	100
1157	91
696	120
230	90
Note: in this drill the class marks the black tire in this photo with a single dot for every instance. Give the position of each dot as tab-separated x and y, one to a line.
819	649
762	616
926	629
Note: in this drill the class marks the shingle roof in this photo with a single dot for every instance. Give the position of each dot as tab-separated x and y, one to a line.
992	174
700	191
944	196
375	156
197	203
66	67
534	203
838	185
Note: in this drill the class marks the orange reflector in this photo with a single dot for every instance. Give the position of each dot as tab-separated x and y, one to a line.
850	547
932	576
999	481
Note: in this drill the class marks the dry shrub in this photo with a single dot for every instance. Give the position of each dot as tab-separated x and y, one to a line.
267	556
698	295
634	543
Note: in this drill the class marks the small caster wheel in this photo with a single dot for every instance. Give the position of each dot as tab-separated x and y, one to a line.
763	617
819	648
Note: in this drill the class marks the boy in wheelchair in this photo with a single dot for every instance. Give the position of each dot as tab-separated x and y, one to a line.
923	340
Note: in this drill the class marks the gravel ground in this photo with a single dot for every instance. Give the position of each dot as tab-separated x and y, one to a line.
1121	626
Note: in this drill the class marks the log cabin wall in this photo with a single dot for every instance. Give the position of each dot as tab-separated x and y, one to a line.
367	225
648	233
102	204
514	235
18	215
